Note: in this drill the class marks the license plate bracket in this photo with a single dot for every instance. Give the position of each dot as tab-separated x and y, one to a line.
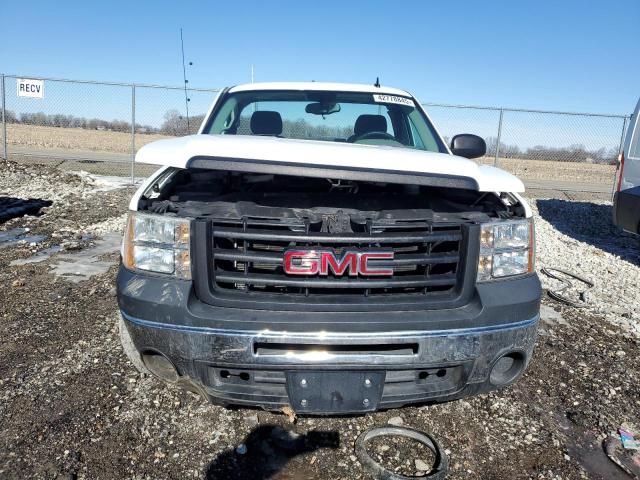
334	392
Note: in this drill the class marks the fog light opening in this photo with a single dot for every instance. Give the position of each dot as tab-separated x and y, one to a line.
160	366
507	368
228	374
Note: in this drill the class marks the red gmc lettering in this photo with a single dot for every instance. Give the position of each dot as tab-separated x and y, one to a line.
349	262
365	269
323	262
306	262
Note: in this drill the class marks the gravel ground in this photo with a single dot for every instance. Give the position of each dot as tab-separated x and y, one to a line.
71	406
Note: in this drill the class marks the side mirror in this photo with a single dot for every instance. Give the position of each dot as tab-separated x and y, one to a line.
468	146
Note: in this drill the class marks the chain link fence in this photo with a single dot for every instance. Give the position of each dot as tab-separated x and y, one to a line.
95	126
547	149
98	127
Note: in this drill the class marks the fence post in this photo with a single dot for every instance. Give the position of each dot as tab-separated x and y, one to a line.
5	155
624	128
620	150
133	132
495	160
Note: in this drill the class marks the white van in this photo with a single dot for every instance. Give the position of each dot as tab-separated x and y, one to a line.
626	199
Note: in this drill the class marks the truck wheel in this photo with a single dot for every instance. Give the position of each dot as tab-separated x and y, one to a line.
130	349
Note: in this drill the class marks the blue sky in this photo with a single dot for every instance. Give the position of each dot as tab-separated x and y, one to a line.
565	55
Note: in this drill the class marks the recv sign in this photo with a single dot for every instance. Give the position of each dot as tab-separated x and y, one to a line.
28	87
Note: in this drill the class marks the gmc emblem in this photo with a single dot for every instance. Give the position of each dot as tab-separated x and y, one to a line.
321	262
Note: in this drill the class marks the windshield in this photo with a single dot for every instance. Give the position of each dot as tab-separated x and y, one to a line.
374	119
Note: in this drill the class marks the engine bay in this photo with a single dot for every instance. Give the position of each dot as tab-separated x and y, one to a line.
201	193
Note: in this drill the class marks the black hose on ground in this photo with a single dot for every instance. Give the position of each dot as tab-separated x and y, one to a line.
557	294
440	466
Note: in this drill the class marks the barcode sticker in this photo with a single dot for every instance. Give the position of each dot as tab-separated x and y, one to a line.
379	98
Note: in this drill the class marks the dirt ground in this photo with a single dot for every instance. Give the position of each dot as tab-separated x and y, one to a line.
71	406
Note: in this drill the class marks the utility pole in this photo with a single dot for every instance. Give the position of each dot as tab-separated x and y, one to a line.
184	77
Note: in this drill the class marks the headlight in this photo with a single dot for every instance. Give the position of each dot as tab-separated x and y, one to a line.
506	249
157	243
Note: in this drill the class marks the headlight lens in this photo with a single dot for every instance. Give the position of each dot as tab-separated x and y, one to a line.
156	243
506	249
153	259
511	235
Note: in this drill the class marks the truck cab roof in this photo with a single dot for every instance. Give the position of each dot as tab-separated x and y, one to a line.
319	86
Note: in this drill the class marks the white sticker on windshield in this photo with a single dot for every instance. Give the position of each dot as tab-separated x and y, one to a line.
393	99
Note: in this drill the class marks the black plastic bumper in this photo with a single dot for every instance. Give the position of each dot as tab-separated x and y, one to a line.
372	359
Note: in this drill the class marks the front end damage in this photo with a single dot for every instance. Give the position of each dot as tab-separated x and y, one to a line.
319	333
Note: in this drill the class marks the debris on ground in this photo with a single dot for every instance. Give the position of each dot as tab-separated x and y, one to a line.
397	421
628	439
290	413
627	462
11	207
563	277
71	405
400	468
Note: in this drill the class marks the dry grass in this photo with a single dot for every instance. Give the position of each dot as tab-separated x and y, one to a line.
75	138
557	171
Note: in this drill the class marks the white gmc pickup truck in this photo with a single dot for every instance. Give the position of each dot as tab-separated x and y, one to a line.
320	246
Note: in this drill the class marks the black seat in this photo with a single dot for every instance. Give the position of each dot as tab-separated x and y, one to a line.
368	123
266	123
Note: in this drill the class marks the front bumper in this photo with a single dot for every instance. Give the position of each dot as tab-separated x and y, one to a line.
260	358
253	367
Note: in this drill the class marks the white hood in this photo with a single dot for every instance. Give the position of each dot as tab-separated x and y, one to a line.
178	152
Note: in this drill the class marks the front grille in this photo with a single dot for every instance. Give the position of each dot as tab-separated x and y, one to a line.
247	256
